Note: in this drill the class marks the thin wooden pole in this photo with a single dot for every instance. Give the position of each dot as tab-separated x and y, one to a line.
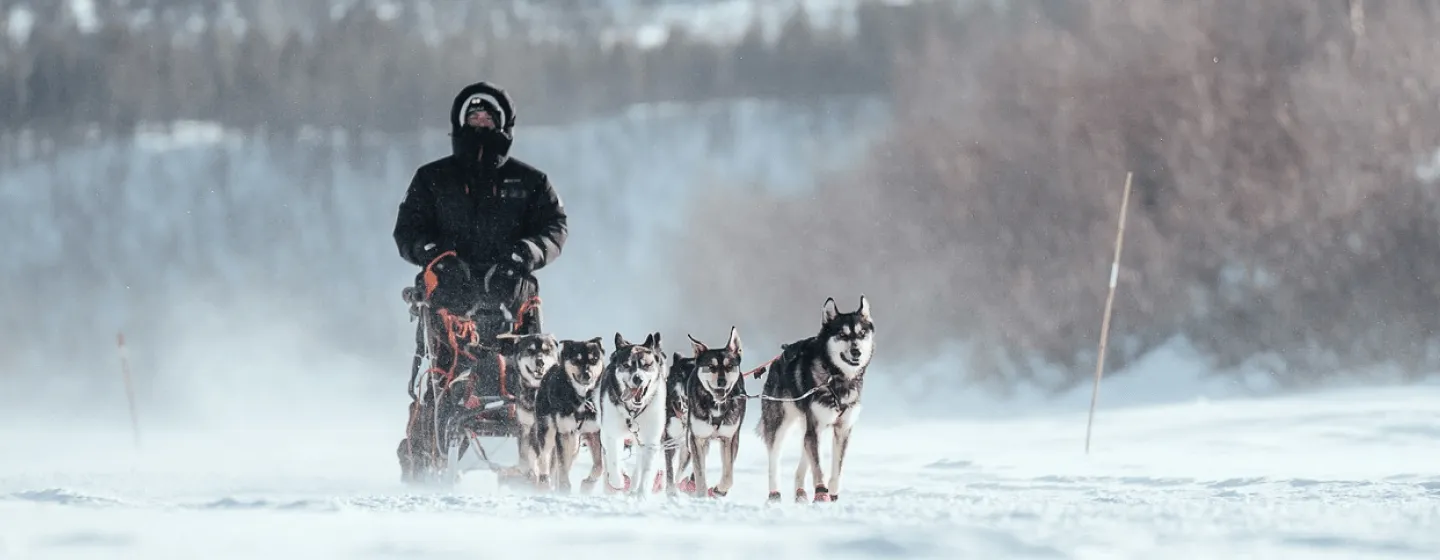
129	386
1109	304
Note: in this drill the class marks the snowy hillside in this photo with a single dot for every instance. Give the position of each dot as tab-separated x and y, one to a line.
1341	475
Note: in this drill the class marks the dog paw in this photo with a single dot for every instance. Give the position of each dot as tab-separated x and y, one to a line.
774	498
822	494
717	493
800	496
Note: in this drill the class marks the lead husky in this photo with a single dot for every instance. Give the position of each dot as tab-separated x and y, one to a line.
533	355
566	411
818	381
715	394
631	400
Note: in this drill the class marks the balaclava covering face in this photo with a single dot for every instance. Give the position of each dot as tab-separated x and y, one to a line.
466	141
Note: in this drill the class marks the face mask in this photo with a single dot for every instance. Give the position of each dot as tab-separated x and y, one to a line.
467	142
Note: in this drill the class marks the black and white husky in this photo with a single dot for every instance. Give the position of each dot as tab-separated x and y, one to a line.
715	395
815	384
677	433
565	410
631	399
533	355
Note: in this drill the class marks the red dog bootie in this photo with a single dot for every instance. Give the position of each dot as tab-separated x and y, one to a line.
686	485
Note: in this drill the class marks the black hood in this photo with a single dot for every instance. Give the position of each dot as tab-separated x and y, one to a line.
464	141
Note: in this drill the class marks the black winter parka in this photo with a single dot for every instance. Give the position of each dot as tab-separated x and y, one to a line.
484	217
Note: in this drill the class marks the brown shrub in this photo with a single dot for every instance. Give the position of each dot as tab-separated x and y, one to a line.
1276	205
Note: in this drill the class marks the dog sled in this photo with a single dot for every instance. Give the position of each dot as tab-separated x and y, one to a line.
462	415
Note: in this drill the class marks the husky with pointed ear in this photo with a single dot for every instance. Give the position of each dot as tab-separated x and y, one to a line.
533	356
566	413
818	381
715	394
631	400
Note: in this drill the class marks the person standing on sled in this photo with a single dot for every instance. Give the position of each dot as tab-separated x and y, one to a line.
490	219
479	223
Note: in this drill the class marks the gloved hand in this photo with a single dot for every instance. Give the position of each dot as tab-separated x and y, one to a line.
526	256
426	251
448	283
501	277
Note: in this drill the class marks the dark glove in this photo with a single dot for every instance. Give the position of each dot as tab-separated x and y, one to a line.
448	284
501	277
526	256
426	251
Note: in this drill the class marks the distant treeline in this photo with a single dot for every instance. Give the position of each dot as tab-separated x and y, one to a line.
1285	209
365	72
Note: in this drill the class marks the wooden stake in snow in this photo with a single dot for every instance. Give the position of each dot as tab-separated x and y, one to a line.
129	386
1109	303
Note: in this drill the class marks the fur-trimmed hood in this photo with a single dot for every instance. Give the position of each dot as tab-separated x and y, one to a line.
463	140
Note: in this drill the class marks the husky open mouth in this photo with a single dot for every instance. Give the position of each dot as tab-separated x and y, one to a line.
637	394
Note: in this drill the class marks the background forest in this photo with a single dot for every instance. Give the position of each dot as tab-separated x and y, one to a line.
219	179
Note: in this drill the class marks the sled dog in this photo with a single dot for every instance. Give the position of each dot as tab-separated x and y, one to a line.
565	412
631	399
532	355
815	384
715	393
677	435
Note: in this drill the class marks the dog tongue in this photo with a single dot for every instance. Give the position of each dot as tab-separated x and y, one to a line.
636	392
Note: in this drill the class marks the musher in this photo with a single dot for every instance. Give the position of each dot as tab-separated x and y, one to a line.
482	222
479	223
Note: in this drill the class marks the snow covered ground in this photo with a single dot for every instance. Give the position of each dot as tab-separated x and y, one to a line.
1343	474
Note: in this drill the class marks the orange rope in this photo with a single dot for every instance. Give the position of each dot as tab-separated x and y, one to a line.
457	328
529	304
431	280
